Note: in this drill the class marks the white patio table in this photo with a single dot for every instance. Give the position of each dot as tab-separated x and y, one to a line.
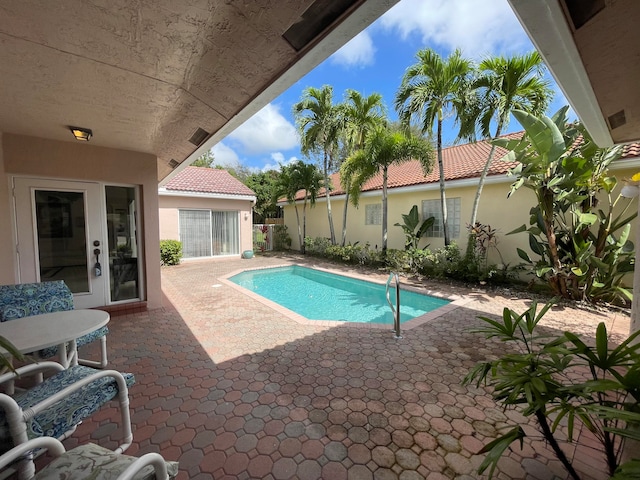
30	334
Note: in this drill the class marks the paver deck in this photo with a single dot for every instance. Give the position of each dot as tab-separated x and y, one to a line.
233	389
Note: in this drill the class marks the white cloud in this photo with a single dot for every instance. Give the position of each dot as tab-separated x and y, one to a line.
266	131
477	28
279	160
359	52
225	156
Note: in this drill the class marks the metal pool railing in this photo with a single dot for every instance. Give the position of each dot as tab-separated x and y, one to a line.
395	310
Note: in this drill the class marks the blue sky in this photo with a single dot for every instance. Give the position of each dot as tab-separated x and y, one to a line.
374	61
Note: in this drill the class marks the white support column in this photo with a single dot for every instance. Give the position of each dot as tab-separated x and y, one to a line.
635	304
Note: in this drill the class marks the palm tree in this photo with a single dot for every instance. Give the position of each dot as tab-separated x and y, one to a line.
319	123
293	178
431	89
504	85
384	147
361	114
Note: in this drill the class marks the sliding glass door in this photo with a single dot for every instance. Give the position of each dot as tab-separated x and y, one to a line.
206	233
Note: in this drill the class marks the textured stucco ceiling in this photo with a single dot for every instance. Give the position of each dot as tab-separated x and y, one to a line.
144	75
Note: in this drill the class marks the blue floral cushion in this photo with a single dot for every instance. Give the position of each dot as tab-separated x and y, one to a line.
68	412
25	299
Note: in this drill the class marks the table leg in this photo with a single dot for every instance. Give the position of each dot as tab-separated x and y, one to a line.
68	352
73	353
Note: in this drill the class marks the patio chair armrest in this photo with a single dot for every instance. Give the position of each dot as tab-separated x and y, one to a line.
154	459
30	369
53	445
77	385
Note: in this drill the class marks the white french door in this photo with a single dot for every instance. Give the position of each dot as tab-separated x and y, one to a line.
61	230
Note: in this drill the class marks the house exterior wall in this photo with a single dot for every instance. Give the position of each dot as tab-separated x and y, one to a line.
501	213
31	156
171	204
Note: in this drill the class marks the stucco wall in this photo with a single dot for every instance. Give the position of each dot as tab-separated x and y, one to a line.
501	213
30	156
169	217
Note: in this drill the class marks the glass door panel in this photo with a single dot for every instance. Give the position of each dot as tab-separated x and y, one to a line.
225	233
123	243
195	233
61	234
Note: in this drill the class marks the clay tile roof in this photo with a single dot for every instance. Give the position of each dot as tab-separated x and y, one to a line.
208	180
460	162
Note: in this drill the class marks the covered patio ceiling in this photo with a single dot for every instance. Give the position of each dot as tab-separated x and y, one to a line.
592	48
170	77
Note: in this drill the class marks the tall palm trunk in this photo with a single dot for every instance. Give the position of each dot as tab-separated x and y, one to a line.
344	218
327	193
384	211
443	196
483	176
304	225
299	228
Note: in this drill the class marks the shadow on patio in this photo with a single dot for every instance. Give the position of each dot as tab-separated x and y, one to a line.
233	389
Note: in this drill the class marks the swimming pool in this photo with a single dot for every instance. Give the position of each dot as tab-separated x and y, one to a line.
319	295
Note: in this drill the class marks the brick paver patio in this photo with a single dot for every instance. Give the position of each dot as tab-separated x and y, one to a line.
236	390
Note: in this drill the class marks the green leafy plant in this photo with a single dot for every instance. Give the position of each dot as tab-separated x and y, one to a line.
581	242
170	252
563	380
413	228
352	253
6	361
281	238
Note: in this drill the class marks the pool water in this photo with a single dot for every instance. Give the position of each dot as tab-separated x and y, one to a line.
319	295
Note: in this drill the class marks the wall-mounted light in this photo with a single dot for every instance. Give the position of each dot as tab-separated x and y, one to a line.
83	134
246	215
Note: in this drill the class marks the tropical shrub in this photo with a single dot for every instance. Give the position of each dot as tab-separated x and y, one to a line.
352	253
170	252
582	247
281	238
413	228
316	246
563	380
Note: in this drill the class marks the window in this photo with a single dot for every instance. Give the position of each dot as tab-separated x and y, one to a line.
206	233
373	214
431	208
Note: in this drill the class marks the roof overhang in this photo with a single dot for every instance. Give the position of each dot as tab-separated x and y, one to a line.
592	49
168	78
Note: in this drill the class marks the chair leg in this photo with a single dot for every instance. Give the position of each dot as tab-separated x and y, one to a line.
123	399
103	356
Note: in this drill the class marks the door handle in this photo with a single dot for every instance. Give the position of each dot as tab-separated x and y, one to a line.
97	269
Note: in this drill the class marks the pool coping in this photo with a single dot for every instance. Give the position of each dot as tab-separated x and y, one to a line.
456	301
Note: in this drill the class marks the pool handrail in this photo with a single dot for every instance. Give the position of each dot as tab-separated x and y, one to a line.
395	311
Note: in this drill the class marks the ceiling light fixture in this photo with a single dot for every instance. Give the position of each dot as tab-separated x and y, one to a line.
83	134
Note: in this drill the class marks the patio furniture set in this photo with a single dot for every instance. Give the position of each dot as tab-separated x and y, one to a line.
39	319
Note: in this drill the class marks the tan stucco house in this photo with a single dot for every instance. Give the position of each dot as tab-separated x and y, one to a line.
408	186
209	211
